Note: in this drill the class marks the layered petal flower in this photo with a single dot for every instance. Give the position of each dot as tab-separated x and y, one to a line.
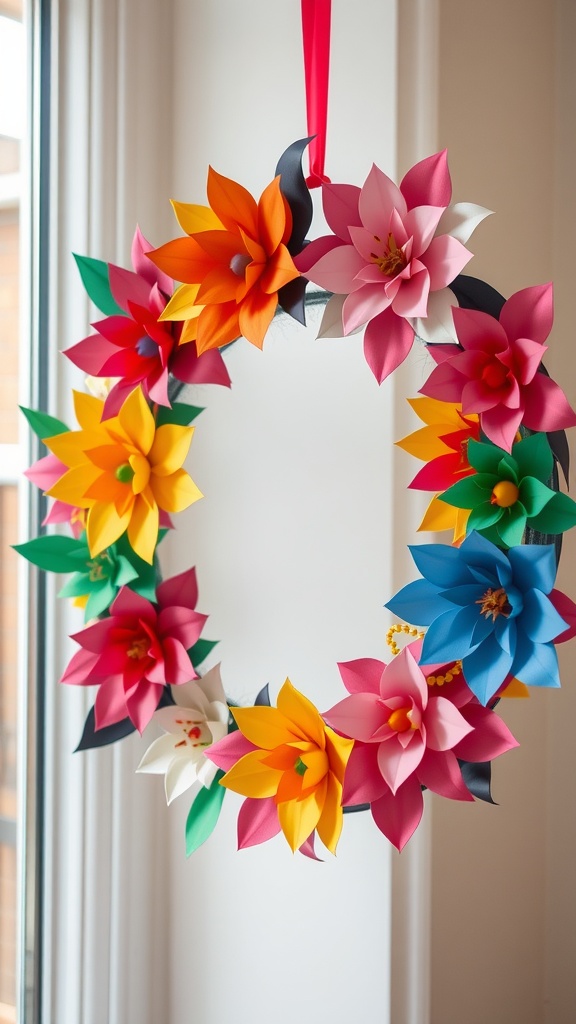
199	719
506	493
123	471
290	766
391	248
443	445
409	734
136	651
488	608
233	261
135	347
497	371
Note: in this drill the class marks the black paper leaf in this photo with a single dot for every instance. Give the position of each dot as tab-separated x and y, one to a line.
478	775
92	737
295	190
263	698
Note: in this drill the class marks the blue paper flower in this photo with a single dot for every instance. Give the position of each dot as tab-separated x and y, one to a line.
487	608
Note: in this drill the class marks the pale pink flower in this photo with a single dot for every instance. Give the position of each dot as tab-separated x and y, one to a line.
408	735
391	248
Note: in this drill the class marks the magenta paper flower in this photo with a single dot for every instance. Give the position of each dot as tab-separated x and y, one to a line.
136	347
44	473
410	734
139	649
391	248
496	372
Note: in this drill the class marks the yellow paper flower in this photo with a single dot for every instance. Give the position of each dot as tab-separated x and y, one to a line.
443	445
298	766
123	470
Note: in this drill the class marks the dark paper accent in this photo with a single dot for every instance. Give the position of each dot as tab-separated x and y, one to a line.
92	737
478	775
291	299
295	190
263	698
475	294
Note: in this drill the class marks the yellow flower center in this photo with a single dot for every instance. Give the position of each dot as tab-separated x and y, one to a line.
392	260
138	648
400	720
494	603
124	473
505	494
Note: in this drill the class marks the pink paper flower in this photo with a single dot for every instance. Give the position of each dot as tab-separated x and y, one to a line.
409	734
391	248
139	649
496	372
136	347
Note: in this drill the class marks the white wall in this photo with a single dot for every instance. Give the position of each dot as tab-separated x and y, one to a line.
292	540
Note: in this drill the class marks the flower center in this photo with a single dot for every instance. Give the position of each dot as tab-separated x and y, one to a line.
138	648
392	261
97	569
192	732
238	263
494	375
494	603
124	473
146	347
401	721
299	767
505	494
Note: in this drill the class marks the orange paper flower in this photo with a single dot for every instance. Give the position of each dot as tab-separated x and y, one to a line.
233	262
123	471
295	762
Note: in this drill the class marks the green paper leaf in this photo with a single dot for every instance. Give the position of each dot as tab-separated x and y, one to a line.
44	425
94	274
204	814
484	457
100	600
512	524
483	516
52	553
125	572
534	457
558	515
180	414
534	495
200	651
467	493
507	469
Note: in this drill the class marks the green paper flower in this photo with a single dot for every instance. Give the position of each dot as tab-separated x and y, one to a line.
100	578
95	581
509	492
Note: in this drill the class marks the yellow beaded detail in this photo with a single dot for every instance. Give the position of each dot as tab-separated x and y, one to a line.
399	627
447	677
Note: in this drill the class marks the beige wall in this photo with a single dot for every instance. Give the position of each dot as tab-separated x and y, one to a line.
503	889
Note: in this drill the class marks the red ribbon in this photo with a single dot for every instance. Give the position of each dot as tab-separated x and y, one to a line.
316	41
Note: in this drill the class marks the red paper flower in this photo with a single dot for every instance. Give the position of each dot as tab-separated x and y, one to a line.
137	347
497	375
139	649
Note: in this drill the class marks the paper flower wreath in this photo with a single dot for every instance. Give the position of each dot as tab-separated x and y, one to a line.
483	619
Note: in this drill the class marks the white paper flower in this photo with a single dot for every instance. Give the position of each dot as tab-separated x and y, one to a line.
199	719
